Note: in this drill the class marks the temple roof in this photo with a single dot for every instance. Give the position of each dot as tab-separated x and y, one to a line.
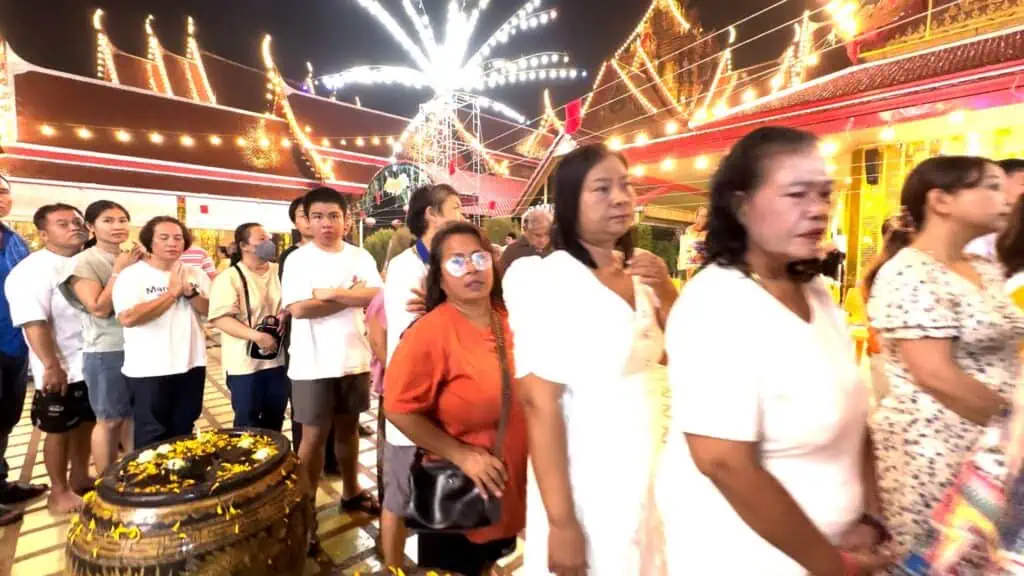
886	74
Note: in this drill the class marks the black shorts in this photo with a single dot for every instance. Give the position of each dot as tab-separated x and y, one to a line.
56	414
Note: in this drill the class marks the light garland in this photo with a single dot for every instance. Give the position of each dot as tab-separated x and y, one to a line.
105	68
155	55
632	88
657	79
193	53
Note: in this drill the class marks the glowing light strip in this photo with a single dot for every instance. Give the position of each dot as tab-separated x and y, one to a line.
105	68
492	165
632	88
726	58
657	79
396	31
595	90
281	89
369	75
505	31
149	191
353	157
422	23
676	11
156	55
193	53
636	31
862	100
549	112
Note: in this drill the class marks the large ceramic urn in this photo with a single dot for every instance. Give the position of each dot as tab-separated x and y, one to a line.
220	503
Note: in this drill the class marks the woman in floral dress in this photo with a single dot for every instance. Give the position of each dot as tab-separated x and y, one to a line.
950	340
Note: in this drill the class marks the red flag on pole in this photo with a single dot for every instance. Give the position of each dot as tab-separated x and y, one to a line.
573	116
451	167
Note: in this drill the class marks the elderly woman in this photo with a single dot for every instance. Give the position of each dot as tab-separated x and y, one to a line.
769	463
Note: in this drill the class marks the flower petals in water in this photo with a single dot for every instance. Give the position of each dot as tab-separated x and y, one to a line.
175	464
146	456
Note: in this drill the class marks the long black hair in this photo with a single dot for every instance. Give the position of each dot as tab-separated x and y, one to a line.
242	235
897	234
94	211
568	179
435	294
739	175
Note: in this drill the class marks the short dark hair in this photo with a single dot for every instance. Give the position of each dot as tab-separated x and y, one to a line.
324	195
422	198
1012	165
741	173
435	295
146	234
43	213
511	235
569	176
294	207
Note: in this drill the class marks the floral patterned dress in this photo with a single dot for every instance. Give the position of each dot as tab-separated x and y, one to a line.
920	444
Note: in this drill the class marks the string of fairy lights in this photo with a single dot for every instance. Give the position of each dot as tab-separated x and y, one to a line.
193	139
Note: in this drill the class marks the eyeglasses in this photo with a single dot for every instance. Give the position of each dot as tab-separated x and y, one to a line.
458	265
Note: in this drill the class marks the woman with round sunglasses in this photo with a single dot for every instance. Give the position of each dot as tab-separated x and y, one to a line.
443	390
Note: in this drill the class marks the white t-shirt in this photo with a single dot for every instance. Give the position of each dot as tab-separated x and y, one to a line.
34	295
174	342
335	345
983	247
406	272
743	367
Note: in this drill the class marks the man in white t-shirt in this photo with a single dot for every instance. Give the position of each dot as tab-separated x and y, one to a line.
430	207
985	246
326	286
53	329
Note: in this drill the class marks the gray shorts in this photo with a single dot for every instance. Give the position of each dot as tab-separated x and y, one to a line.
109	393
315	402
396	461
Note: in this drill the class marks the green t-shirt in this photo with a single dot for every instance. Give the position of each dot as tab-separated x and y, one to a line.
99	334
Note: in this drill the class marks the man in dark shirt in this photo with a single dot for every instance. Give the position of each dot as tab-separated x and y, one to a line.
535	241
13	369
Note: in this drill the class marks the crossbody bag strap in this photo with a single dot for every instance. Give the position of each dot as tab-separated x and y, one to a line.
245	292
506	384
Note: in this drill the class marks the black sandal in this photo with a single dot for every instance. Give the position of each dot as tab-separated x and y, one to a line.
364	502
20	492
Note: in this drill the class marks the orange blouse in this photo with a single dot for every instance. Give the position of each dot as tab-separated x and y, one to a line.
446	368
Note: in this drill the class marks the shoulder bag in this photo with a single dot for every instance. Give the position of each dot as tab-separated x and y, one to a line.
441	497
269	325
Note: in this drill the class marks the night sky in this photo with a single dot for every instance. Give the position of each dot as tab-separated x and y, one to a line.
335	34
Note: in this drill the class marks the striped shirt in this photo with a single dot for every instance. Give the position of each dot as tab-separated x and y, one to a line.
196	256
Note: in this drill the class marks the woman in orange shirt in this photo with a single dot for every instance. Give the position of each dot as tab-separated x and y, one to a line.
443	389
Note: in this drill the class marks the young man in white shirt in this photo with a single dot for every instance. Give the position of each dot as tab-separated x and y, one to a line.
430	208
985	246
326	285
53	329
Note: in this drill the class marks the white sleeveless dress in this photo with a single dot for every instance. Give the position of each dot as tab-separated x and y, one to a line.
573	330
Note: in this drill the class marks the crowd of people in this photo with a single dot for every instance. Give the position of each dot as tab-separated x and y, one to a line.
538	375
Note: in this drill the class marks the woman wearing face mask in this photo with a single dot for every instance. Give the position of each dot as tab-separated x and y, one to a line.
259	386
951	339
769	469
92	284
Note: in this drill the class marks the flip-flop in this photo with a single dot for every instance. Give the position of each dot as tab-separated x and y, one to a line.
10	515
364	502
21	492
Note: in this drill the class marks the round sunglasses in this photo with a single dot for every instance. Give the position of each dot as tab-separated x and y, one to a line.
458	266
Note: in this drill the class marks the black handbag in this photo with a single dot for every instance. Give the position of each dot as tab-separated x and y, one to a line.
269	325
441	497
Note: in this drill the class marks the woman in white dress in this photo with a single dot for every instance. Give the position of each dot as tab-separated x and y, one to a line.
588	349
766	469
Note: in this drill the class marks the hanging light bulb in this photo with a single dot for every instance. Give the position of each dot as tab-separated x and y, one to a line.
84	133
156	138
187	141
123	136
216	140
47	130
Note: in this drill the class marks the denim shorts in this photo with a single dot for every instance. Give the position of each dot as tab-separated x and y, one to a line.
109	394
